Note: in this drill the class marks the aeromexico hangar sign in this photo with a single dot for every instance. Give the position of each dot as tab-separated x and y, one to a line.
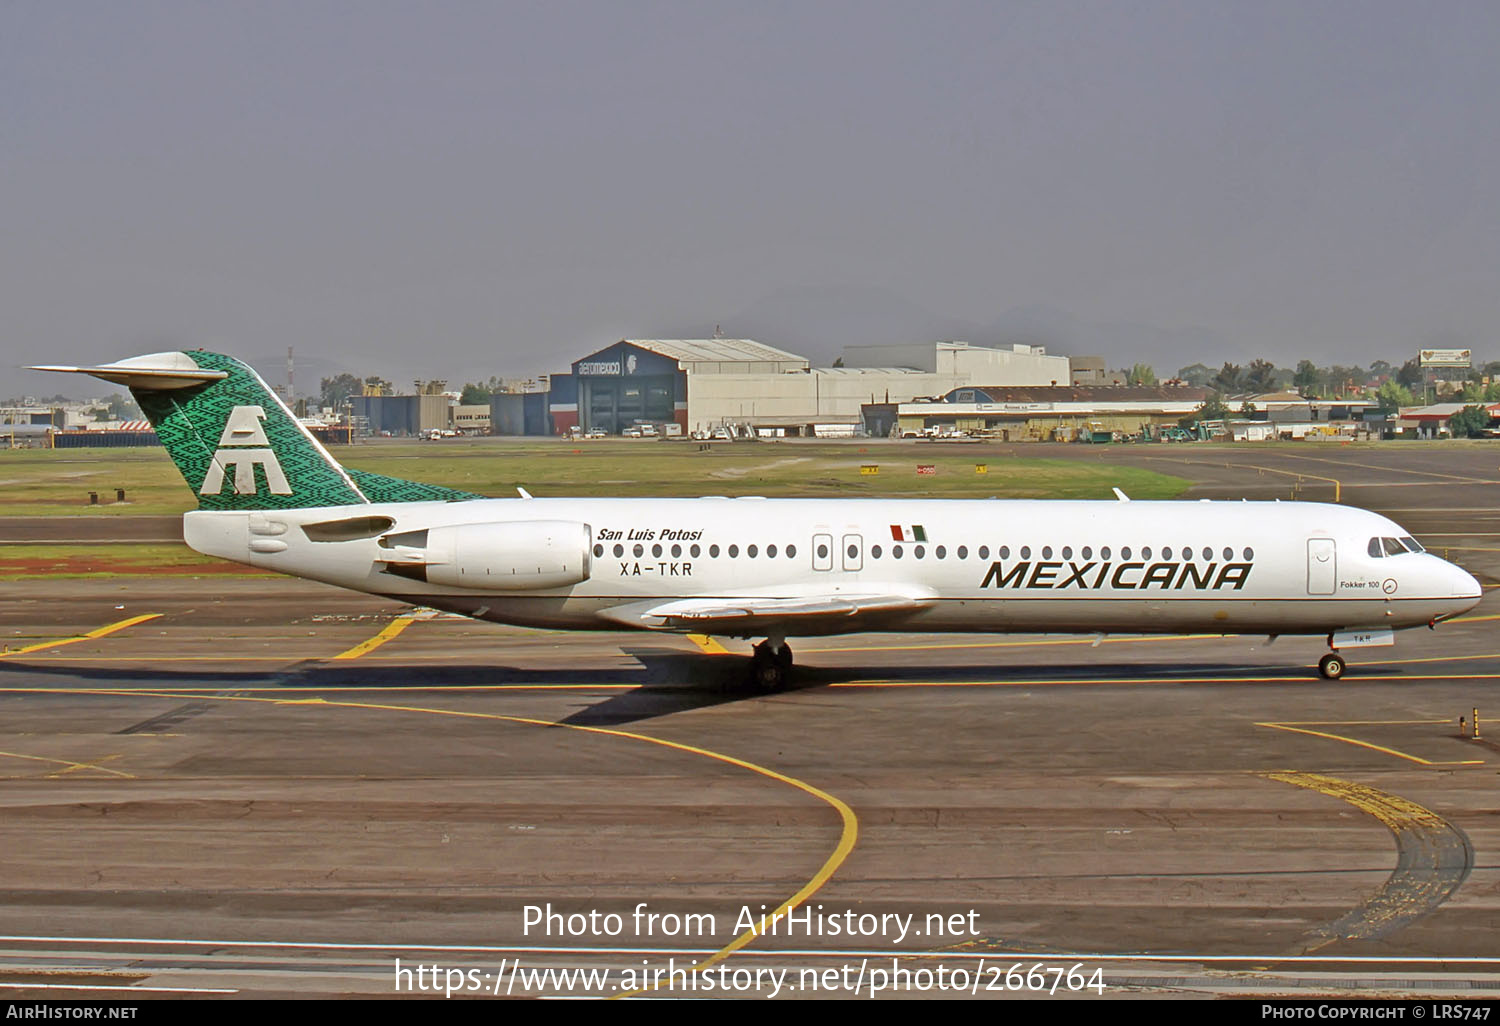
608	368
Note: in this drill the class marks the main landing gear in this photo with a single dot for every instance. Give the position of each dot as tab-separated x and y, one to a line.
1331	666
771	665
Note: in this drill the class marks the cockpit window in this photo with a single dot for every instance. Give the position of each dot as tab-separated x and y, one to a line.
1380	547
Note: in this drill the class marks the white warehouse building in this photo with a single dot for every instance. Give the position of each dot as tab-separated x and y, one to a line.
827	400
711	383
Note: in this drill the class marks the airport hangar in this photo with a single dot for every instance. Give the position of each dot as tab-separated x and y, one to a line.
705	384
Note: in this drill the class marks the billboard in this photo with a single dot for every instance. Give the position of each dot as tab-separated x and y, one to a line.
1446	358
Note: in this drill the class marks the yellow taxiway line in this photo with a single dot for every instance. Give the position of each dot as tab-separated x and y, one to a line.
392	629
848	834
70	765
708	644
1300	727
99	632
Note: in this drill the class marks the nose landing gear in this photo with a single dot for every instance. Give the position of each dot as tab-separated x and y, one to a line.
1331	666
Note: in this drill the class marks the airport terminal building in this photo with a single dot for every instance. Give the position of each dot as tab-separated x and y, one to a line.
1046	413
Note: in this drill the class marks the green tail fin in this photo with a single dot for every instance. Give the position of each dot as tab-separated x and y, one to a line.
236	443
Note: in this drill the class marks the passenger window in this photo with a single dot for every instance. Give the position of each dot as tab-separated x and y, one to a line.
921	552
963	552
1104	552
875	551
771	551
1046	551
640	550
791	551
984	552
656	551
1088	552
619	550
695	551
1025	551
734	550
676	551
713	550
752	551
598	551
942	553
1004	552
896	551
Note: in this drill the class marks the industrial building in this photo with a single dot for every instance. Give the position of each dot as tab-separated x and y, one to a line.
519	413
706	384
402	414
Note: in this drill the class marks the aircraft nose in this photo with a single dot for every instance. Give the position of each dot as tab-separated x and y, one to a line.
1464	585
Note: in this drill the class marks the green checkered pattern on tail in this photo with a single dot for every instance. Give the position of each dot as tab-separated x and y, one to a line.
240	448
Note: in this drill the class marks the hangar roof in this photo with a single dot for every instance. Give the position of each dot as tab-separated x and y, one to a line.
716	350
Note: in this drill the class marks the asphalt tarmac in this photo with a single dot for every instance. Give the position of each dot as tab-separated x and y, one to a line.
250	786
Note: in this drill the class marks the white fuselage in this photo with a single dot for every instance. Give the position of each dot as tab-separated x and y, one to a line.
981	566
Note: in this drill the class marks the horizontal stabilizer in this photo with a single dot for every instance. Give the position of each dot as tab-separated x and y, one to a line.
154	372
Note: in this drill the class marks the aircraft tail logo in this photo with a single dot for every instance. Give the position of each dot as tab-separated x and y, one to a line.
243	430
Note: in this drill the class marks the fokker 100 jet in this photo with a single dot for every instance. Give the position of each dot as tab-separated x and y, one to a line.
271	496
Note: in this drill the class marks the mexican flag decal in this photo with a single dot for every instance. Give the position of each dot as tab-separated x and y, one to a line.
912	533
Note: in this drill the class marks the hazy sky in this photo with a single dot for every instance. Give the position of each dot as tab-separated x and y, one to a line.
456	190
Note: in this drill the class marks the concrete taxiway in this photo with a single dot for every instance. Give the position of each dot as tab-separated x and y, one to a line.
253	786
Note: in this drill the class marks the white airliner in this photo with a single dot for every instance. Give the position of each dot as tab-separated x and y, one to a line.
271	496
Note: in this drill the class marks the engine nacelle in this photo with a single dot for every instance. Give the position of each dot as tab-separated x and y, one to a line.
509	556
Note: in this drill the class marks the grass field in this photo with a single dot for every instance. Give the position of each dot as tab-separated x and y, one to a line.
21	562
57	482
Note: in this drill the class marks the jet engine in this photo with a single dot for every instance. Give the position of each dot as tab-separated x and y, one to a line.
507	556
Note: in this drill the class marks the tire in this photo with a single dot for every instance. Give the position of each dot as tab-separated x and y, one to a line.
767	670
1331	666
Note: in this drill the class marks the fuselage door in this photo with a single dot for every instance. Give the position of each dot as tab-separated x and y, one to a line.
854	552
822	552
1322	566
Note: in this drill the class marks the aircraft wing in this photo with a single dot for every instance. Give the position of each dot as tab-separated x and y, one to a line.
818	614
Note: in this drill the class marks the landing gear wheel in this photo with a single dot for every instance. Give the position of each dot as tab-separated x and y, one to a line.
769	668
1331	666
